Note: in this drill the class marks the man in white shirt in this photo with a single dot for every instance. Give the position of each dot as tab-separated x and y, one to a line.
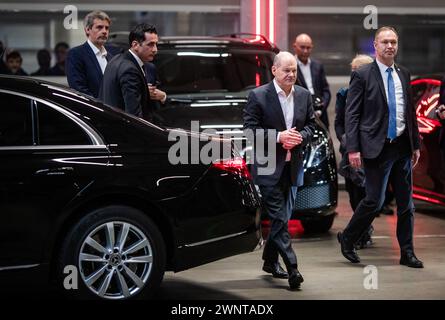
283	111
311	74
382	136
86	63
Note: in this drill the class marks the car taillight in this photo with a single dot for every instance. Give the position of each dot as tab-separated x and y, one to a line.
234	165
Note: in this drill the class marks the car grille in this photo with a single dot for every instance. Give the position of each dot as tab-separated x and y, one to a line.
313	197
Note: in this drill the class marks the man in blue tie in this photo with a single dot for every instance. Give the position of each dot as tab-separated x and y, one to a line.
383	137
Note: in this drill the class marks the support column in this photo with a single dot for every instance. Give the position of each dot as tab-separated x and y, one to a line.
266	17
281	24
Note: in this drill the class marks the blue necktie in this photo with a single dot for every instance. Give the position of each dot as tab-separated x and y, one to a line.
392	127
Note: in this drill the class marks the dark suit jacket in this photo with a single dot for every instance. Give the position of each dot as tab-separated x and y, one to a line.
151	73
124	86
57	70
263	111
339	123
83	71
320	85
367	111
151	76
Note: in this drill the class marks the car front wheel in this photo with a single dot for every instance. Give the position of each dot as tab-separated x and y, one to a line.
118	252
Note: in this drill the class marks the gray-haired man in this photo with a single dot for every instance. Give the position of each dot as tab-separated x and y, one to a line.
85	64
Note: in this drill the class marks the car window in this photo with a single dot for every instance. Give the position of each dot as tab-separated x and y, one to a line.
212	70
15	120
55	128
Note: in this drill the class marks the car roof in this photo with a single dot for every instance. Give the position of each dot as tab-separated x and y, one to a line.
27	85
235	40
62	96
47	90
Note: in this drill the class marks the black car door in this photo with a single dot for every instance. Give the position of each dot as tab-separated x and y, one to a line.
47	157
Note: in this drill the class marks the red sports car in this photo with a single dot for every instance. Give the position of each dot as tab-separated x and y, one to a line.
429	174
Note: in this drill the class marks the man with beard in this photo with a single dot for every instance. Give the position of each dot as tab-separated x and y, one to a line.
85	64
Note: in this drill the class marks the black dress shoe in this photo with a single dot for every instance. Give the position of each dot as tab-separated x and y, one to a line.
295	279
276	270
410	260
347	251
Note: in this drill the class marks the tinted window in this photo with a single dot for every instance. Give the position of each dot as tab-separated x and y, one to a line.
57	129
15	120
212	70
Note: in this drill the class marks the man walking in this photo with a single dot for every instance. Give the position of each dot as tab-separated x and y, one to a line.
382	133
283	112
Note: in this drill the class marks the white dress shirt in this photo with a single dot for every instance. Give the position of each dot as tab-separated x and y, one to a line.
101	55
306	72
400	100
287	106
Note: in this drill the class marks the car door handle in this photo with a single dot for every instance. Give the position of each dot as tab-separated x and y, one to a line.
54	171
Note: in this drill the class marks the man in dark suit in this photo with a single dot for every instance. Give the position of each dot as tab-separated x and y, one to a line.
311	74
86	63
124	85
61	51
382	133
283	112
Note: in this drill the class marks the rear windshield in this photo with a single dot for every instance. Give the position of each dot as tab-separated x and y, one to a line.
212	70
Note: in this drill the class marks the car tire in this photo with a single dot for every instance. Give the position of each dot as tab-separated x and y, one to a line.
320	225
117	253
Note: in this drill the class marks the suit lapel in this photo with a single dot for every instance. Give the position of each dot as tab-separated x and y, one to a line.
313	75
301	80
93	58
296	109
274	102
133	60
378	78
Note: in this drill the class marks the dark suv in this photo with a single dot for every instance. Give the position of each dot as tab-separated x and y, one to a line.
208	79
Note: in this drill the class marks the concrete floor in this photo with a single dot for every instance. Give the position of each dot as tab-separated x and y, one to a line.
327	274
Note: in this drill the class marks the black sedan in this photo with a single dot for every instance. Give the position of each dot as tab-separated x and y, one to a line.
85	187
429	174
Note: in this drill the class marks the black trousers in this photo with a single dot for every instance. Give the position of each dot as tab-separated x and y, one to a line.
278	202
394	164
356	193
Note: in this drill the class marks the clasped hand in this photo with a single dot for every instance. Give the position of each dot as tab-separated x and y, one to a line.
290	138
